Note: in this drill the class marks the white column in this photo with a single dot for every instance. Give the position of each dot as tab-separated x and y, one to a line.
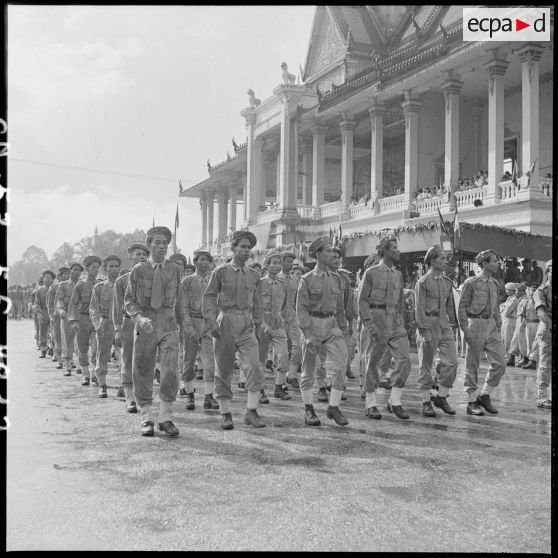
496	70
289	158
452	90
222	215
232	208
204	218
530	54
347	132
277	175
377	112
411	107
254	171
243	175
307	170
477	110
318	165
209	218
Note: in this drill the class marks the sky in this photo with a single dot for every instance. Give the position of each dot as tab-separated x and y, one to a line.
145	90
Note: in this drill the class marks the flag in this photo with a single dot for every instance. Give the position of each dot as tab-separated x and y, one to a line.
443	228
530	172
176	220
456	232
330	234
514	174
334	240
153	220
340	232
300	254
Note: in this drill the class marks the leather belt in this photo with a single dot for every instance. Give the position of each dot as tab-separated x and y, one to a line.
432	313
199	316
533	321
320	314
236	311
381	306
482	316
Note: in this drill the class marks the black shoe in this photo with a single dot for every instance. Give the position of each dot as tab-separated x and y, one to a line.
384	383
373	413
132	407
199	375
74	366
263	400
68	373
484	401
349	373
50	352
147	428
510	361
226	421
335	414
531	365
397	410
78	371
94	380
242	385
285	388
343	396
328	387
85	381
362	394
103	392
310	416
474	409
210	402
59	366
168	428
322	395
43	353
182	391
442	403
523	362
293	382
253	419
120	392
427	409
190	403
280	394
269	364
158	375
54	358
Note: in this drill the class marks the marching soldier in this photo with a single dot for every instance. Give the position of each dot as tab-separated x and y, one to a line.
34	313
232	310
382	308
100	311
543	306
273	291
78	314
291	325
197	338
61	303
508	310
124	326
41	310
436	318
528	325
480	320
154	301
63	275
181	261
190	269
320	310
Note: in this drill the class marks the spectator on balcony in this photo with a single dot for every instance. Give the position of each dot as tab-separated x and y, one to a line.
507	176
479	179
460	185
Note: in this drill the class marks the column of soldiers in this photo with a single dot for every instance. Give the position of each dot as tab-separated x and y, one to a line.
166	315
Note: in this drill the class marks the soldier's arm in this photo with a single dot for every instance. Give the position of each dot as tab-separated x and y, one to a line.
179	303
340	310
130	298
540	307
209	300
257	310
187	319
364	309
496	315
73	304
450	308
117	301
302	307
464	300
94	308
58	298
420	316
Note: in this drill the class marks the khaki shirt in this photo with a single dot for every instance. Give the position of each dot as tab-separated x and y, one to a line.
193	288
80	300
101	302
479	295
63	295
526	309
50	298
509	308
40	299
543	298
320	291
291	287
232	287
118	310
434	294
274	300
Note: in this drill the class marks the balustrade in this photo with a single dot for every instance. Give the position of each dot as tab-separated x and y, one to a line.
392	204
509	190
329	209
466	198
266	216
429	206
306	211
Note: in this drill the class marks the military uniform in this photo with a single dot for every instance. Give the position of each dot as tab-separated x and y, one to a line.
67	334
41	312
528	322
508	311
543	299
56	334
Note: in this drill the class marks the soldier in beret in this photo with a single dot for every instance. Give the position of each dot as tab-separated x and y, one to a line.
80	320
273	290
100	311
189	269
63	275
381	308
543	306
197	338
508	311
232	310
124	325
181	261
153	300
291	325
320	310
41	310
436	317
480	320
61	303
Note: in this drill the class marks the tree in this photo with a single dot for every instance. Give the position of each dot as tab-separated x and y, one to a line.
35	261
63	256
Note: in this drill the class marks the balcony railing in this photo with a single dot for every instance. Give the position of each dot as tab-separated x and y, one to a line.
306	211
545	185
467	198
361	209
329	209
392	204
429	206
509	190
266	216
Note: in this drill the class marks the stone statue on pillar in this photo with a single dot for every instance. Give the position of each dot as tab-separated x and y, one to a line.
288	79
252	101
208	166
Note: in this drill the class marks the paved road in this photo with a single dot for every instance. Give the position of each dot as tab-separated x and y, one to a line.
80	477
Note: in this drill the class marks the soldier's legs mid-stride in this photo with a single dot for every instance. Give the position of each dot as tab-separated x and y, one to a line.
68	346
544	368
57	335
276	339
104	346
86	338
126	355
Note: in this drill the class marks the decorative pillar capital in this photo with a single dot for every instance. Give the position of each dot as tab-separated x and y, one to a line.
494	69
376	110
452	87
319	128
410	106
347	125
249	115
529	52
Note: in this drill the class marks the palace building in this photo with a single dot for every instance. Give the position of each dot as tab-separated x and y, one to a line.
394	120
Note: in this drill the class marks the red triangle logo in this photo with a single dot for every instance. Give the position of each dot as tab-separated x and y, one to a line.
519	24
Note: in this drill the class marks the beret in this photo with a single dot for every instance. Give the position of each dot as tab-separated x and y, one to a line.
273	255
547	265
124	271
51	273
88	260
371	260
75	264
63	270
510	286
317	244
432	252
239	235
288	255
521	286
198	253
112	257
181	257
383	242
190	266
484	255
138	246
158	230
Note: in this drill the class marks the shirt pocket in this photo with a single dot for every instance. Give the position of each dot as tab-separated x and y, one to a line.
379	287
144	287
170	291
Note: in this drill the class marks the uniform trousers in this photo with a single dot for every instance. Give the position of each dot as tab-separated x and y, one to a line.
484	337
529	334
329	338
544	368
236	333
68	341
44	322
295	355
202	344
508	329
437	341
85	338
277	340
165	338
36	324
127	333
104	346
393	338
57	335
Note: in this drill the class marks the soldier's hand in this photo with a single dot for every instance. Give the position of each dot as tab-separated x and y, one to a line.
146	325
62	314
264	328
118	339
214	330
